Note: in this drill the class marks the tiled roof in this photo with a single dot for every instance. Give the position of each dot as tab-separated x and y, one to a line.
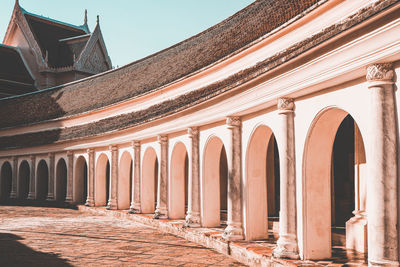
164	67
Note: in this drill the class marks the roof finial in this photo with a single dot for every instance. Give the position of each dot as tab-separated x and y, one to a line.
17	2
98	19
85	19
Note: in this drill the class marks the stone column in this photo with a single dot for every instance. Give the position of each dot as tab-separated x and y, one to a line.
90	177
70	177
50	190
112	202
234	230
32	179
382	193
162	192
14	182
193	212
135	203
287	242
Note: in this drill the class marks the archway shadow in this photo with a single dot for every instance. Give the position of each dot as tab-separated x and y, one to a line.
14	253
37	203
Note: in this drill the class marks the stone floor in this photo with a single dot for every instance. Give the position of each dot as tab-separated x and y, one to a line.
45	236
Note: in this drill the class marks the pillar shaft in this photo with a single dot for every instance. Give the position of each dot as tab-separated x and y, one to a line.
287	242
382	202
234	230
70	177
50	190
193	212
162	193
32	179
90	177
14	182
112	202
135	203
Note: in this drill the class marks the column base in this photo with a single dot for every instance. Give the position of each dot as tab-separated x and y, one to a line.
89	202
286	248
192	220
13	195
69	199
161	214
50	197
112	204
233	232
134	208
383	263
356	234
31	196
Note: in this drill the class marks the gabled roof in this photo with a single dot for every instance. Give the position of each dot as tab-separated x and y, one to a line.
48	33
15	77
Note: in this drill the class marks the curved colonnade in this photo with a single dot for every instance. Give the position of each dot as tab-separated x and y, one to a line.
307	147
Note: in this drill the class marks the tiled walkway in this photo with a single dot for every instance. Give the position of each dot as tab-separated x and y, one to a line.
37	236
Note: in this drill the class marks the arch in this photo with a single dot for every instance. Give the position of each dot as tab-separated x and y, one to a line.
125	181
102	181
42	180
80	183
262	183
319	180
149	181
178	184
61	180
214	183
6	181
23	180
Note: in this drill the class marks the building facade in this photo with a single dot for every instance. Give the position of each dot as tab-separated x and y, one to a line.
285	113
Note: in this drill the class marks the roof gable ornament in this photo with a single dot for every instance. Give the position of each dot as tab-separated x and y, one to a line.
98	19
85	18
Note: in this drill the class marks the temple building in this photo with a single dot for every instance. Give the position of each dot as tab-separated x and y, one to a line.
39	52
272	136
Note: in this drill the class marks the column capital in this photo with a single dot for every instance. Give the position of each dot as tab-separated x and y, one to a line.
51	155
380	74
162	139
14	158
32	157
90	150
70	153
113	148
285	105
136	144
193	131
233	121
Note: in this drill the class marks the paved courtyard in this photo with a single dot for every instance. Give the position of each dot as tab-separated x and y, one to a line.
36	236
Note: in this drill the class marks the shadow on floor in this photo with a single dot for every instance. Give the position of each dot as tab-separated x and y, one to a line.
14	253
38	203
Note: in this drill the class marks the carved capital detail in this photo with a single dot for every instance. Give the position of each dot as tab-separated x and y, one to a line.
193	131
162	139
136	144
70	154
285	104
33	157
380	72
113	148
233	121
90	150
51	155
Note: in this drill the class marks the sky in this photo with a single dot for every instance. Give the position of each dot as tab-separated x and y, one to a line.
132	29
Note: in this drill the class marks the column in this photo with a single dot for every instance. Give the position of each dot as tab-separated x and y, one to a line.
50	190
162	193
112	202
234	230
32	178
90	177
287	242
193	212
14	183
70	178
382	193
135	203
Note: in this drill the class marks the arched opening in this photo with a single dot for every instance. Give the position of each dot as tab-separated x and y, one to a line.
214	184
6	181
334	164
61	180
80	181
23	180
102	182
178	184
149	181
262	183
42	180
125	181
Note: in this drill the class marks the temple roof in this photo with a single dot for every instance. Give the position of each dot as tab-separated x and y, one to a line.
14	75
48	33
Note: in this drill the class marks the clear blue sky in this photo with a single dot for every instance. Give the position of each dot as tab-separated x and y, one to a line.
133	29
